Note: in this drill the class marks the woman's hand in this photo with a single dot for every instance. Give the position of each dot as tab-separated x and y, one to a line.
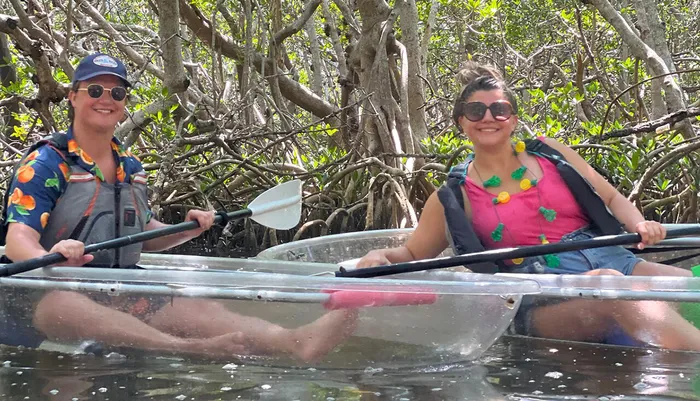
73	251
374	258
651	231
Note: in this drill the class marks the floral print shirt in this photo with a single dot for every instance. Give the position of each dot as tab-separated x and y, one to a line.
43	175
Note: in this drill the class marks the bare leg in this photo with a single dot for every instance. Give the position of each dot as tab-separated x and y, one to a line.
657	269
63	315
648	321
203	318
653	322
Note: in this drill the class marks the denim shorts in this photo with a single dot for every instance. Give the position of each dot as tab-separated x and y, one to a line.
573	262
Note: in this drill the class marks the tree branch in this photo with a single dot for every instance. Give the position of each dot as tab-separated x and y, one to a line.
119	41
32	29
674	95
663	162
291	89
650	126
298	24
132	127
8	23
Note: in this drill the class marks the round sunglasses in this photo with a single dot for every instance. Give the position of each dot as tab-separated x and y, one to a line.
475	111
95	91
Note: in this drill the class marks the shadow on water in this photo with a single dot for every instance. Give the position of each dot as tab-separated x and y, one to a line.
516	368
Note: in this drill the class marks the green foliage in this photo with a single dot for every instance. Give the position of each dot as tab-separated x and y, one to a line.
535	44
444	144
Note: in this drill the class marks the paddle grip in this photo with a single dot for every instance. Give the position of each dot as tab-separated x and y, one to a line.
363	299
31	264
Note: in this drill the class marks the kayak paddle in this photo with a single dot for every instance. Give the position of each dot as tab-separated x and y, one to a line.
279	207
507	253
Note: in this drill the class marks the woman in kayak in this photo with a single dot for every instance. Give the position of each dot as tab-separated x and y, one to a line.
84	187
521	194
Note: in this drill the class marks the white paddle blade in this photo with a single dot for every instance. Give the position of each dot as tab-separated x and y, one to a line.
279	207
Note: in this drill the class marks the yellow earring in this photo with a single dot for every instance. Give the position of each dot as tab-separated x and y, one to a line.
519	146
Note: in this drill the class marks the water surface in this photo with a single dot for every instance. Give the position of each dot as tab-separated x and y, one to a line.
513	369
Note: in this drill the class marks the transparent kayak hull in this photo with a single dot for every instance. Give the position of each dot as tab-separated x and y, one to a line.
458	317
622	293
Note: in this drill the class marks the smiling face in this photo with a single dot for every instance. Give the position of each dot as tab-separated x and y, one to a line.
97	115
488	132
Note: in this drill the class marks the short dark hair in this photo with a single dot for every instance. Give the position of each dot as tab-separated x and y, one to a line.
477	77
71	111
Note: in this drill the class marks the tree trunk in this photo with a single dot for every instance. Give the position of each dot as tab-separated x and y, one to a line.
372	63
408	22
8	75
316	63
658	104
171	46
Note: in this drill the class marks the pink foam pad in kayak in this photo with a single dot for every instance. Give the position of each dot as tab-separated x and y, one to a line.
345	299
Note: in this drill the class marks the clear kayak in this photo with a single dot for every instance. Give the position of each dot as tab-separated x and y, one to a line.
408	320
418	319
346	249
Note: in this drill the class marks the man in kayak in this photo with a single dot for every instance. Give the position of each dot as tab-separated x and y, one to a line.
81	187
511	193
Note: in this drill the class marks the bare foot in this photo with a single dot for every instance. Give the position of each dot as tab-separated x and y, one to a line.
223	346
318	338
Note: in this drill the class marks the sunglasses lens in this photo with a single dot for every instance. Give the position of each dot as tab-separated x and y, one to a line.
95	91
118	93
474	111
501	111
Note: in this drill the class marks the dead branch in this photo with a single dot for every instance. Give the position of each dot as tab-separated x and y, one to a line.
650	126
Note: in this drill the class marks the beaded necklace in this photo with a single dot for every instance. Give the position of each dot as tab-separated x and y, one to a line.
548	215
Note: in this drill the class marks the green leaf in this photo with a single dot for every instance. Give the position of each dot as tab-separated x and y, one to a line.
52	183
21	210
635	159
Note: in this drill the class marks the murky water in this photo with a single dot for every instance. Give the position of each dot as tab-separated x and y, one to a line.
513	369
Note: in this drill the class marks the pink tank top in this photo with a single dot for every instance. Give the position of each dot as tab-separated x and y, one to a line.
521	217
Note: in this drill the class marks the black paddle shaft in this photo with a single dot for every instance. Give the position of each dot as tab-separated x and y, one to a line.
508	253
53	258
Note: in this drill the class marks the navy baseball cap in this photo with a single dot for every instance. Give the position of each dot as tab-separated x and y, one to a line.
100	64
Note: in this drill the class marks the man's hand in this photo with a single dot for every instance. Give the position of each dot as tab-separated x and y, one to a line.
73	251
204	218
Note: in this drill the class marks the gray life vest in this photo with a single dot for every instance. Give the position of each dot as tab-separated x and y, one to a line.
93	211
460	233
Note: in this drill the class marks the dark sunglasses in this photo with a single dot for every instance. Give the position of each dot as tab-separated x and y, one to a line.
475	111
95	91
